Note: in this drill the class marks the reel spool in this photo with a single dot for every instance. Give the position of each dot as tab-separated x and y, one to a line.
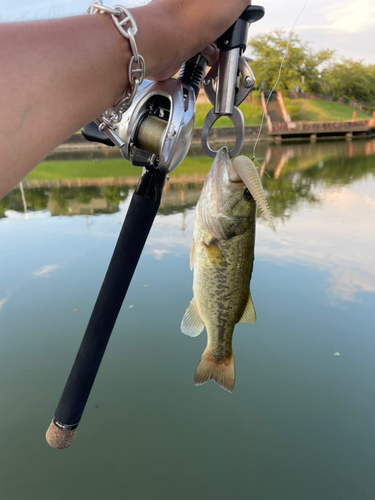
150	133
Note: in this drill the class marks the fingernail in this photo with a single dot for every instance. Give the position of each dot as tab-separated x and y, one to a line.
209	51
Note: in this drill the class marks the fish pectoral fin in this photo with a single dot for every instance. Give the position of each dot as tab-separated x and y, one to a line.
192	323
216	258
209	240
249	315
192	255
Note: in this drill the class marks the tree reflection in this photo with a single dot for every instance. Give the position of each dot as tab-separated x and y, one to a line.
296	172
286	192
295	184
12	201
115	194
37	198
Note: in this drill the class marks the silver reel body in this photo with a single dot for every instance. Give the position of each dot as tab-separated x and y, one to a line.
158	127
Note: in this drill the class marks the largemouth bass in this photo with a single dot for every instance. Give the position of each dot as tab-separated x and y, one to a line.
222	255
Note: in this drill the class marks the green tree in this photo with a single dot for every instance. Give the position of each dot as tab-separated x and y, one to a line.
351	79
301	67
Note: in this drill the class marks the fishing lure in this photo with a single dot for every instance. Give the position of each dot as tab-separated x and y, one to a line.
249	174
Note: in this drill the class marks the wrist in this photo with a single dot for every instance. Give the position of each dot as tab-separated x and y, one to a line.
159	38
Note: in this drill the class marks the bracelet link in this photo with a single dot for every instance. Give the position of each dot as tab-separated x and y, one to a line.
136	70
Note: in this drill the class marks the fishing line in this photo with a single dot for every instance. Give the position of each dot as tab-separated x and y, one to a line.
23	200
278	77
256	161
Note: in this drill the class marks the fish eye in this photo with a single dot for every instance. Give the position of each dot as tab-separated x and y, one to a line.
247	195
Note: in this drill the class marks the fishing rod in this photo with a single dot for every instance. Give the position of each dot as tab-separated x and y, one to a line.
155	133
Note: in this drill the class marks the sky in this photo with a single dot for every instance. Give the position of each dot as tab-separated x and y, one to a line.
345	26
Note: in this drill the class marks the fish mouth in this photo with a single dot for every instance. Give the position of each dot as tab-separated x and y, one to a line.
225	171
224	153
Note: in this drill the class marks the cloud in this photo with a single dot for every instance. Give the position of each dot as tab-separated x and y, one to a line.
346	283
159	253
2	303
355	17
45	271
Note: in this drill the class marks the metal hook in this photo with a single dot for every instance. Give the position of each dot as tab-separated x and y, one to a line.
239	127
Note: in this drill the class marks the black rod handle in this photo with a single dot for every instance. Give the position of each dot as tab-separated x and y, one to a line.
137	225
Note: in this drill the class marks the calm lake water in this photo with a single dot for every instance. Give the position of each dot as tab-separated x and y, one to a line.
300	424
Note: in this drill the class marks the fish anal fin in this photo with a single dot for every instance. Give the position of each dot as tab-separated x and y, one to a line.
222	372
192	324
249	315
192	255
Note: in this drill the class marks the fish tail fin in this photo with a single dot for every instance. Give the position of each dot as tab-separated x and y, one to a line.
223	371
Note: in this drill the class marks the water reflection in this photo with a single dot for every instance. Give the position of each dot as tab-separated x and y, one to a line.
301	417
86	200
313	190
296	174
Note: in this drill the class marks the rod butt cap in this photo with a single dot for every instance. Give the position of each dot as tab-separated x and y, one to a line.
58	438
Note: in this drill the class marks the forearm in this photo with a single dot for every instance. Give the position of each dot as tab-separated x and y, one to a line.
57	75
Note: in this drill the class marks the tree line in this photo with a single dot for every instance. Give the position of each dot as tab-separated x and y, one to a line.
314	72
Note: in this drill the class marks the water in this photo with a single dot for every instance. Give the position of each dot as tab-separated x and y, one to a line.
300	422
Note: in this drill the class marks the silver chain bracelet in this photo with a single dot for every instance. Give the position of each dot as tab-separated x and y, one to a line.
136	70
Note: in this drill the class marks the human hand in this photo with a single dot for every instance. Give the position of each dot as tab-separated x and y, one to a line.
172	31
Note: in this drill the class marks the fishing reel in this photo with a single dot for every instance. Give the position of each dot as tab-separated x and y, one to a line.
157	129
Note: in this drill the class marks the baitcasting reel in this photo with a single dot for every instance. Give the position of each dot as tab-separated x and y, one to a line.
157	129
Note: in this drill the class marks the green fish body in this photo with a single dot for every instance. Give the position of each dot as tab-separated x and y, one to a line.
222	256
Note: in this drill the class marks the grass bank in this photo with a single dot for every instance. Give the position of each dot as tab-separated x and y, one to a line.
252	112
316	110
89	169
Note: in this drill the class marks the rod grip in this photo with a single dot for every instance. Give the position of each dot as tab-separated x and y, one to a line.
138	222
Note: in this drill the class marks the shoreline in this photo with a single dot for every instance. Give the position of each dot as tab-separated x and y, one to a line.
322	131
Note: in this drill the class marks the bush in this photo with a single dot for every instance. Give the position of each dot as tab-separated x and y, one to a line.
366	109
293	111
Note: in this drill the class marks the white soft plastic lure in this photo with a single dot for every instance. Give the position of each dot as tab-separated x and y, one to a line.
249	175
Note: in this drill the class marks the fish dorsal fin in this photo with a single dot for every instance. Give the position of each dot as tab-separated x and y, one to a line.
249	316
192	324
192	255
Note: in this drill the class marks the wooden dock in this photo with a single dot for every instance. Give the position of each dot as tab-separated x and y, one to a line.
313	131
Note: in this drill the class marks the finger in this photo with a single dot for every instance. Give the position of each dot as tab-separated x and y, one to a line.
211	54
